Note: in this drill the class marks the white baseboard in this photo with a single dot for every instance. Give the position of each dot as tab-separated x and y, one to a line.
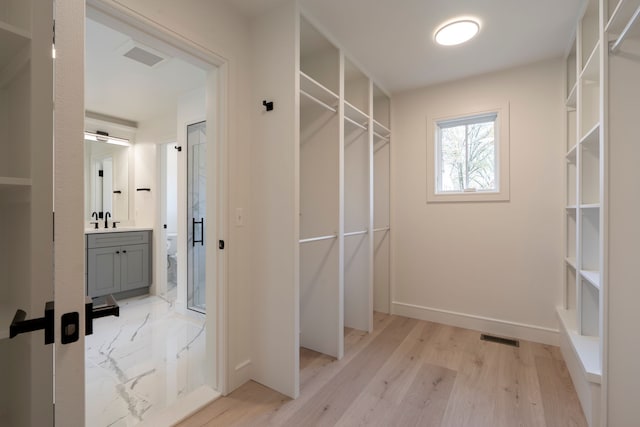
182	409
488	325
243	365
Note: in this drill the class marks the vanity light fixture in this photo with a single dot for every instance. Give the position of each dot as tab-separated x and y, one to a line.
90	136
457	32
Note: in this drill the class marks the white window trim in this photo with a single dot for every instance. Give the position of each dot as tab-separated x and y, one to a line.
502	157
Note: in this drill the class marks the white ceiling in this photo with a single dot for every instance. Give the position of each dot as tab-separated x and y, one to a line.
120	87
393	39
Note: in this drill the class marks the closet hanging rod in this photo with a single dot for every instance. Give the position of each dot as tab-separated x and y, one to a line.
353	122
356	233
317	101
375	230
623	35
317	239
384	138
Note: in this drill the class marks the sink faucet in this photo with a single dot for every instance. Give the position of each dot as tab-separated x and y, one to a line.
107	214
95	223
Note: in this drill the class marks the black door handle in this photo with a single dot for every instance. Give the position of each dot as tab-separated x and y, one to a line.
193	231
19	324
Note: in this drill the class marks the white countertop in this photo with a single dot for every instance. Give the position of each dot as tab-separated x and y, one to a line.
116	230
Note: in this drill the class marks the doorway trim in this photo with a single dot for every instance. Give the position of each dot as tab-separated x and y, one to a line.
118	16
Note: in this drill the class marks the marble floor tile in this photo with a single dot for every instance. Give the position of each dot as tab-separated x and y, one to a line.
142	361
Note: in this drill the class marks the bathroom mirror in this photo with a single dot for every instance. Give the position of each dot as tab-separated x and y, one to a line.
106	180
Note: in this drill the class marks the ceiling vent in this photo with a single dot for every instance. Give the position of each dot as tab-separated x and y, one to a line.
144	56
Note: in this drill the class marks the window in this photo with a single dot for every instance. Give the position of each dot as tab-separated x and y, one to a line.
468	158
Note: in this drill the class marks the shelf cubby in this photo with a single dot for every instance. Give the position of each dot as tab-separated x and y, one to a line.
572	136
16	15
572	199
590	239
590	94
590	318
589	27
381	111
590	172
356	88
571	235
319	58
572	72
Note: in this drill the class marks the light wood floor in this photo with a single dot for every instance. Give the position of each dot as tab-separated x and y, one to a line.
413	373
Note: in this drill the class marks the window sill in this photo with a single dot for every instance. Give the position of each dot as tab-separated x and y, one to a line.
471	196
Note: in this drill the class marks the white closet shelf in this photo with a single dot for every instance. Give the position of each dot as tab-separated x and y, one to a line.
355	114
621	16
571	262
571	154
571	207
381	129
586	348
377	230
317	90
12	39
591	71
590	206
593	277
571	99
356	233
592	136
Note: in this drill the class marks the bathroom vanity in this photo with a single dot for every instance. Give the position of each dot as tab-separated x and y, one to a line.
118	262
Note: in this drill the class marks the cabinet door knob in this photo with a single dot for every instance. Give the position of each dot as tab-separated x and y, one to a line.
124	252
117	252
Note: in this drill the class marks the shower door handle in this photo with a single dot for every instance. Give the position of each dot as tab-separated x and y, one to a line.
193	231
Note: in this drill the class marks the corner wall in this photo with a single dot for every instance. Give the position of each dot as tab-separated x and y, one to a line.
491	266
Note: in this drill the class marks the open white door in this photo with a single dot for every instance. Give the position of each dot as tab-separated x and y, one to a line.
37	261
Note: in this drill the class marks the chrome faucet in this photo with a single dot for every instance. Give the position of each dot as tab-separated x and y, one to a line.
107	214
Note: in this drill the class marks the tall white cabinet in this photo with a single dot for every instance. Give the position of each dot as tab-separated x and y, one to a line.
26	254
600	93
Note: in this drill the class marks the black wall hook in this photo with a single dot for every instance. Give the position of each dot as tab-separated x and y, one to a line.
268	105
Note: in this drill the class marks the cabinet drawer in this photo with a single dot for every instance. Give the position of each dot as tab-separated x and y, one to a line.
104	240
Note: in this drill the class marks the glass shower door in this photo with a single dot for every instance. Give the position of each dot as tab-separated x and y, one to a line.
196	214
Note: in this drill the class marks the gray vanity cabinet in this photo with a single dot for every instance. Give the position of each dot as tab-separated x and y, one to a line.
118	262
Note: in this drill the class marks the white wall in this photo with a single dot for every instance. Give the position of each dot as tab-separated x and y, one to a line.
273	220
500	260
220	29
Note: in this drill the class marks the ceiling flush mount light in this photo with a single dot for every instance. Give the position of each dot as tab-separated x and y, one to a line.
457	32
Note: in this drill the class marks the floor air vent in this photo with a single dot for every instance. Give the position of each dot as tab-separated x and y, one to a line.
500	340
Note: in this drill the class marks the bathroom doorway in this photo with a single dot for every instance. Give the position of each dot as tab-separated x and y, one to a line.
158	351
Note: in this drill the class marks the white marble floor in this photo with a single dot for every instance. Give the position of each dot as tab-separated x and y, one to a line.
141	362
